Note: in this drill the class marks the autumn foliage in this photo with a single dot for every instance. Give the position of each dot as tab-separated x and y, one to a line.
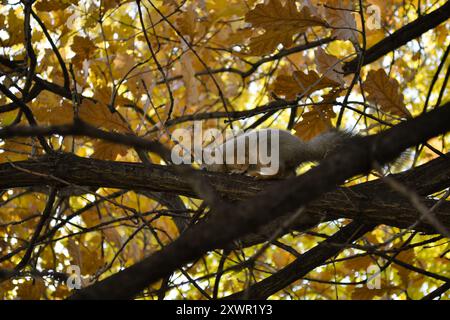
147	67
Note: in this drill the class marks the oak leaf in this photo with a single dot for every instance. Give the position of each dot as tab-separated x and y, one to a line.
279	21
341	19
315	122
385	92
301	83
330	66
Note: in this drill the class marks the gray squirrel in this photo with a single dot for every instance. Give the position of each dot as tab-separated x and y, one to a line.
292	152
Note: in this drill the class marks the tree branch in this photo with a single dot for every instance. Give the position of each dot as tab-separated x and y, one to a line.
247	216
402	36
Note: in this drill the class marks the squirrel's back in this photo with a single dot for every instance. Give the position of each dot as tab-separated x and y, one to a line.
292	151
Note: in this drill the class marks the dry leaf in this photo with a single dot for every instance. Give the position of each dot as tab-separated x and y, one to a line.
187	23
330	66
84	48
281	23
315	122
301	83
385	92
342	20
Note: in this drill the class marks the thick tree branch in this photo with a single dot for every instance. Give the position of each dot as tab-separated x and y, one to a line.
371	201
232	222
402	36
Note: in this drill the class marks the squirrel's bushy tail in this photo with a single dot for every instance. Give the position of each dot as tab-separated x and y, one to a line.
322	145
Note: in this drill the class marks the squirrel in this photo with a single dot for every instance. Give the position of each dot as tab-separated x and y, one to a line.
292	152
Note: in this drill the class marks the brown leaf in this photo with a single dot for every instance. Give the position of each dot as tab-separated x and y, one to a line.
385	92
268	42
341	19
315	122
187	23
407	256
84	48
32	289
15	149
301	83
274	15
51	5
15	29
330	66
359	263
365	293
281	23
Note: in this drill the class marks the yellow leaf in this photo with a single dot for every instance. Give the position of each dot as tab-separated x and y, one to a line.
227	8
132	253
98	114
385	92
385	6
122	65
87	259
168	226
190	82
91	218
56	115
6	118
48	109
441	33
6	288
374	36
281	257
31	289
407	256
15	29
103	95
108	151
15	149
